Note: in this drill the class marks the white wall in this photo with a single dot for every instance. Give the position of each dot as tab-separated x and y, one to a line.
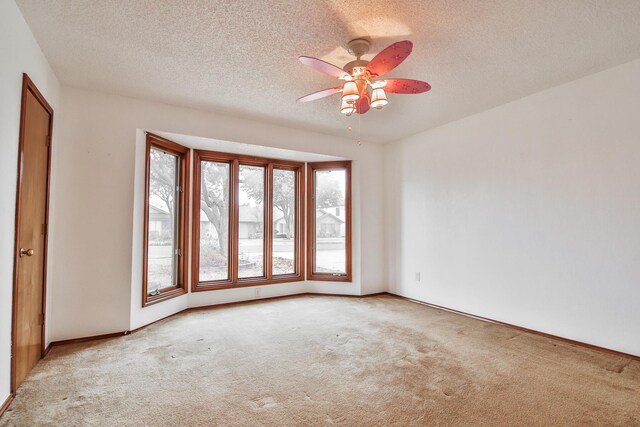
99	210
19	53
528	213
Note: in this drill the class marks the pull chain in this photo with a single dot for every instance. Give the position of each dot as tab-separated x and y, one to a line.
359	140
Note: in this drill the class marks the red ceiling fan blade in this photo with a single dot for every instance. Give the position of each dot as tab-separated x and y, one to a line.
363	103
390	58
406	86
320	94
322	66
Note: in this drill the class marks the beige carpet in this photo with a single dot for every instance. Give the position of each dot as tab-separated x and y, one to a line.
314	360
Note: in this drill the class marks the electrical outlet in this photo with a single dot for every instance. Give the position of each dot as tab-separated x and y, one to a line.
417	276
257	292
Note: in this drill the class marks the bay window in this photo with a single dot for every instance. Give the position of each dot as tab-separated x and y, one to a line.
247	220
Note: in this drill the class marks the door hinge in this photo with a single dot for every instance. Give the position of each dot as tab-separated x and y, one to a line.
179	252
179	189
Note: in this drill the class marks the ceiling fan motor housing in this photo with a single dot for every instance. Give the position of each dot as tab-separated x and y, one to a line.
357	48
351	67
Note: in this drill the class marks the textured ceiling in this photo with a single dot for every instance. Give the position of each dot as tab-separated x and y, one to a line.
240	57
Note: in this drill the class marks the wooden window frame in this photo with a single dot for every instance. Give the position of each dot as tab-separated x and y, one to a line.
183	154
235	161
311	220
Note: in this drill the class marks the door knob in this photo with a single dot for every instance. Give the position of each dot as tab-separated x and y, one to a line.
27	252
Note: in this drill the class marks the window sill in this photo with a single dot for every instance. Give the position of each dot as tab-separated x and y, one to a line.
163	296
329	277
244	283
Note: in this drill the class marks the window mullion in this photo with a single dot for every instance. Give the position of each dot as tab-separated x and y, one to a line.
235	219
177	231
300	224
268	222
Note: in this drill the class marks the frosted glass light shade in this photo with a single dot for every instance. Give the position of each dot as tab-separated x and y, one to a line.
379	98
350	92
347	107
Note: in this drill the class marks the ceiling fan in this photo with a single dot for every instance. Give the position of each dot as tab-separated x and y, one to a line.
360	75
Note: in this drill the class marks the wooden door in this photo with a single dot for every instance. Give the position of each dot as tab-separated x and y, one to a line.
31	231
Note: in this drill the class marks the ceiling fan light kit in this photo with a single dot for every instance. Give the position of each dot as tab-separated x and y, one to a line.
363	87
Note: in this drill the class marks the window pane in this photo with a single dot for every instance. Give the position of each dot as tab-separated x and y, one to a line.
214	221
251	222
163	219
330	217
284	221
